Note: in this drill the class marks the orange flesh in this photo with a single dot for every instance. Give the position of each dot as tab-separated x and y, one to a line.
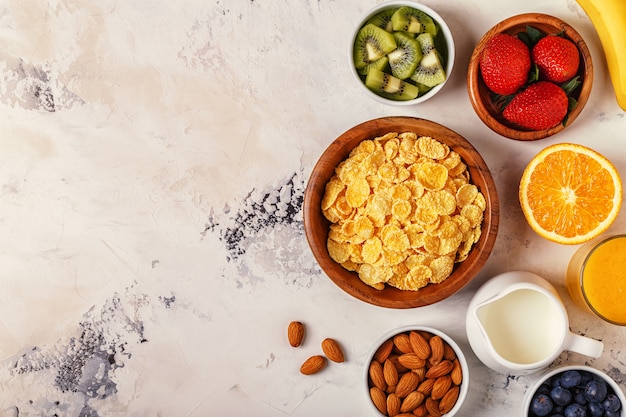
576	187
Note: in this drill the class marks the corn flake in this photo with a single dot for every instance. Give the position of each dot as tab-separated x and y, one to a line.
441	268
375	276
372	250
333	188
338	251
432	148
466	194
432	175
357	192
413	280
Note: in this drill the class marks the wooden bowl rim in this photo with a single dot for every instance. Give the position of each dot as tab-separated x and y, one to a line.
316	226
513	25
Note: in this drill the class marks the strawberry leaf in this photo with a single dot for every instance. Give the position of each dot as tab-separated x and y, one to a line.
531	36
501	101
533	75
571	85
571	105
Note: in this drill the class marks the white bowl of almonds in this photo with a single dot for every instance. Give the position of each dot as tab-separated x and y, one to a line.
401	212
416	370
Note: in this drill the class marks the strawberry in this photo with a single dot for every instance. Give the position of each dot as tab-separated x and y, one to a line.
557	58
505	64
540	106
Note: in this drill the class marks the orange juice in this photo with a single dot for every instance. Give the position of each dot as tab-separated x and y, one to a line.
596	278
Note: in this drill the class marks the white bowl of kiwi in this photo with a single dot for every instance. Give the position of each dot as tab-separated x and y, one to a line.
402	53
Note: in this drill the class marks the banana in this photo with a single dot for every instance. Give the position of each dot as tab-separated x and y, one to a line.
609	19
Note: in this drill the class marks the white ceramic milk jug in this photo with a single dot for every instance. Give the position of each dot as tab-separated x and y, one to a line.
517	324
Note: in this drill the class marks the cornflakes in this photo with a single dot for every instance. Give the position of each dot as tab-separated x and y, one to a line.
403	211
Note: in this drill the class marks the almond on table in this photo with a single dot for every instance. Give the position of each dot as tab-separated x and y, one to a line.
313	365
295	333
332	350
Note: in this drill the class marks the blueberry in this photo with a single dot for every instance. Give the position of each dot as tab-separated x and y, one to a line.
612	414
595	409
555	381
541	405
570	379
611	403
560	395
575	410
595	390
579	396
585	377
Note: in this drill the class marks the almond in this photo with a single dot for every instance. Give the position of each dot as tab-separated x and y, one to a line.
295	333
426	387
379	398
436	344
377	376
408	382
441	387
332	350
313	365
448	400
394	359
402	343
411	361
419	345
390	373
412	401
442	368
433	407
393	404
382	353
448	352
457	373
420	411
420	372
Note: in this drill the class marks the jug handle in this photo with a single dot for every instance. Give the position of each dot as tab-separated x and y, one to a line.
585	345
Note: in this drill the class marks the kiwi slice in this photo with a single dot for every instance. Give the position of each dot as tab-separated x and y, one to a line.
371	44
404	59
430	71
380	65
388	86
383	19
408	19
423	89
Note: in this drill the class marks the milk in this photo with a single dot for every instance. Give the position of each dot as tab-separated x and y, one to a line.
524	326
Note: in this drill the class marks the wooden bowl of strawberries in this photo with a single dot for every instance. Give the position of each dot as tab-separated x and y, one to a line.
530	76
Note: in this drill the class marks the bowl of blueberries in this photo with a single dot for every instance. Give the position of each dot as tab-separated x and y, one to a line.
575	391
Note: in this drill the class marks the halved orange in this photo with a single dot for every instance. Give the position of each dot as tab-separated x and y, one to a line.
570	193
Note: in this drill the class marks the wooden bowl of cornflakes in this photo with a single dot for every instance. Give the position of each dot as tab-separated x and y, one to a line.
401	212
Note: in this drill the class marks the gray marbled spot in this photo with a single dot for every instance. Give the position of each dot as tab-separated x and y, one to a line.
31	87
278	205
81	369
264	238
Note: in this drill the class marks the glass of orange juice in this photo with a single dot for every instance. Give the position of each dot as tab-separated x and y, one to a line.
596	278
